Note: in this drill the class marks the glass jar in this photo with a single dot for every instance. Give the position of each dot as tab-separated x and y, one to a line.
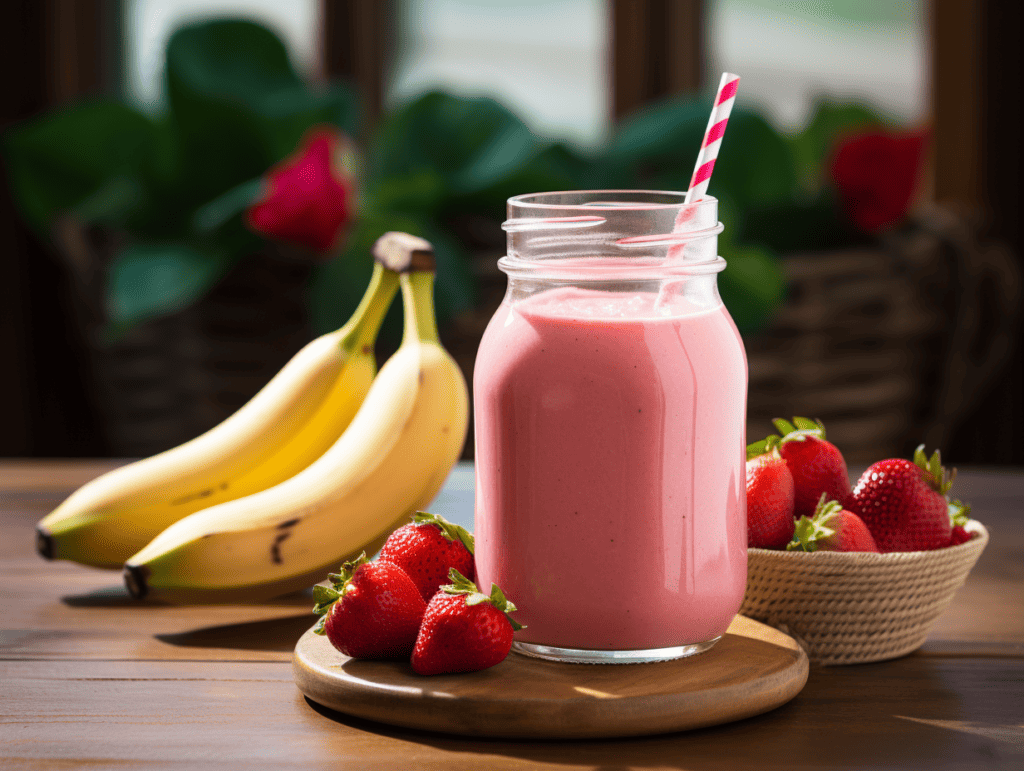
610	400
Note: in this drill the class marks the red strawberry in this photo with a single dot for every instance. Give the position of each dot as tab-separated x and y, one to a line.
958	535
816	464
959	514
903	503
769	497
427	549
463	629
832	528
373	611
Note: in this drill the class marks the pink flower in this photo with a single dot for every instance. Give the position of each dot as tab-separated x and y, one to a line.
308	198
877	175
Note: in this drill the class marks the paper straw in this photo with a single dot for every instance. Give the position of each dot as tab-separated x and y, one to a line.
724	99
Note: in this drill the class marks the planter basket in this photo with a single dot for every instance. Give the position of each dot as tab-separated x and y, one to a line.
887	345
855	607
170	379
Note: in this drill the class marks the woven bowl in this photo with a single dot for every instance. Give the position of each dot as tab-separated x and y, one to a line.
855	607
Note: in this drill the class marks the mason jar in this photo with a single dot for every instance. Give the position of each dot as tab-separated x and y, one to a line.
610	400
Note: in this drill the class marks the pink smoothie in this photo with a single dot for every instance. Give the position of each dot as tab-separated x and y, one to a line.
610	495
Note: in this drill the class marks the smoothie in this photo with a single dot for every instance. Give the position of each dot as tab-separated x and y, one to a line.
610	496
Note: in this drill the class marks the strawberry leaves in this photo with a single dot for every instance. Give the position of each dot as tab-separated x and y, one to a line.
325	596
933	465
788	432
810	531
766	445
462	585
959	513
450	530
799	428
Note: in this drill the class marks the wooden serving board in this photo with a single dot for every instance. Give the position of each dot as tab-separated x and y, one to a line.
752	669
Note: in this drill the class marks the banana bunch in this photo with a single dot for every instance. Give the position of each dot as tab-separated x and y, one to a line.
321	464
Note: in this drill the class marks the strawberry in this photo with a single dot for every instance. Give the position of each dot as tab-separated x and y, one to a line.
903	503
372	610
816	464
958	535
769	497
832	528
427	549
463	629
959	514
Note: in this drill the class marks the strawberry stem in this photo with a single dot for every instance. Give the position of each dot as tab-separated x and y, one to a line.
937	477
462	585
809	531
325	596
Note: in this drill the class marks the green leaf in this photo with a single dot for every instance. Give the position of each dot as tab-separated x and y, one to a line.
806	424
150	280
337	286
323	595
798	224
766	445
830	122
56	162
657	148
959	513
472	143
236	103
783	426
216	213
752	286
287	113
423	192
554	167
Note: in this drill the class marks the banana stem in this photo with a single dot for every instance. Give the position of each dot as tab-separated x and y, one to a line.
361	330
418	304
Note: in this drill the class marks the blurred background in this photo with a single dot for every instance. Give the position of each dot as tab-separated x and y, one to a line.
868	185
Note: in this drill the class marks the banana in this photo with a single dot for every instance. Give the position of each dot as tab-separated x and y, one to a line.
390	462
291	422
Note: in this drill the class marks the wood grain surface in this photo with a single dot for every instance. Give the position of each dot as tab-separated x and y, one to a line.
92	679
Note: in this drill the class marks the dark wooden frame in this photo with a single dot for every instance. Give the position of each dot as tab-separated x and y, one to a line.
657	51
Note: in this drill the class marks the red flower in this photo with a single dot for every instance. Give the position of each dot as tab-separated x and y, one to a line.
877	175
307	199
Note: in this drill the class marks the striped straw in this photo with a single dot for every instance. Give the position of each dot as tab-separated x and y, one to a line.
724	100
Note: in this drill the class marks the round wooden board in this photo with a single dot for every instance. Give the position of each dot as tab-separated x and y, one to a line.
752	669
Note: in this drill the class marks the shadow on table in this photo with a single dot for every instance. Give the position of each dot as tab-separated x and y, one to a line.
273	634
107	597
118	597
886	715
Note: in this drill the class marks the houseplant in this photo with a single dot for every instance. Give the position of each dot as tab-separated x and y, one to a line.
158	206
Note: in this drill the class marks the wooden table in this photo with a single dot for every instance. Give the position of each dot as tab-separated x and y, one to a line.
90	678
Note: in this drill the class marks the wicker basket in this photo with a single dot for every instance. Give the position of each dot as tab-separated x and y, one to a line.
170	379
885	344
855	607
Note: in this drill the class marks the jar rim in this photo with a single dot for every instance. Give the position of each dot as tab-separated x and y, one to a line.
534	200
570	269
